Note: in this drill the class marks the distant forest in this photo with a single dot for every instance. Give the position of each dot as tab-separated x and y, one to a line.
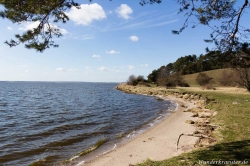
171	75
192	64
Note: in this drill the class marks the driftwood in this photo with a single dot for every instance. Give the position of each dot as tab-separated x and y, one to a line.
193	135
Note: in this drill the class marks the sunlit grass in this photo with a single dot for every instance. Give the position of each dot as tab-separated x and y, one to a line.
233	135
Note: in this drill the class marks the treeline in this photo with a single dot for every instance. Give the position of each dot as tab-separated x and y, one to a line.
188	65
171	75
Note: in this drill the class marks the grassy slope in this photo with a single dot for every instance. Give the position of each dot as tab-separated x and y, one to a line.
215	74
233	135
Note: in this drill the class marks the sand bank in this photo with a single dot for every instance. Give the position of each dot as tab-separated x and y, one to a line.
157	143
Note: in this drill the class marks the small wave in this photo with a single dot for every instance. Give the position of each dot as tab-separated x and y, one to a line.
44	161
107	151
4	104
91	149
43	107
81	163
131	134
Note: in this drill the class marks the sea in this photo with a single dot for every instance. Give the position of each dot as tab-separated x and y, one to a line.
63	123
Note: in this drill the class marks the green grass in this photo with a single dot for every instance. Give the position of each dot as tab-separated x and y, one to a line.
233	135
215	74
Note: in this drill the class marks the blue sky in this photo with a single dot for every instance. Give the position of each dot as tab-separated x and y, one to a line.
105	41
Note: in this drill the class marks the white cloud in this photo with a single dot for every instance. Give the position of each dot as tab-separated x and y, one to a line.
9	28
103	68
112	52
63	31
61	69
124	11
65	70
27	71
86	14
144	65
31	25
96	56
134	38
130	67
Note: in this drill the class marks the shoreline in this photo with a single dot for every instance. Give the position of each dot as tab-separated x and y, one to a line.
158	142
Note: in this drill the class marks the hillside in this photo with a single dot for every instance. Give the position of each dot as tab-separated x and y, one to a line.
214	74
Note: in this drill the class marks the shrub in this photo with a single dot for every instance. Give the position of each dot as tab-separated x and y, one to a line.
203	79
184	84
133	80
173	80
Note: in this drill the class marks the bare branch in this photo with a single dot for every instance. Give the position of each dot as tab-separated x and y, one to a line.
238	20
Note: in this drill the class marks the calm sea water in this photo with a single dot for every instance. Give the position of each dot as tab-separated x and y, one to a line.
50	122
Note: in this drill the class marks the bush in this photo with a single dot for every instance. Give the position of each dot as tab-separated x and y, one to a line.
177	80
203	79
173	80
184	84
133	80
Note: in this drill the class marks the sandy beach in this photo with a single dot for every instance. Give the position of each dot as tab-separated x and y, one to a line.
157	143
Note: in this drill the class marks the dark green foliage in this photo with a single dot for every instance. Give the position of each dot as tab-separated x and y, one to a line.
153	76
188	65
43	11
203	79
192	64
144	2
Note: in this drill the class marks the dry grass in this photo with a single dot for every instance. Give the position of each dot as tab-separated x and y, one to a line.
229	90
215	74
